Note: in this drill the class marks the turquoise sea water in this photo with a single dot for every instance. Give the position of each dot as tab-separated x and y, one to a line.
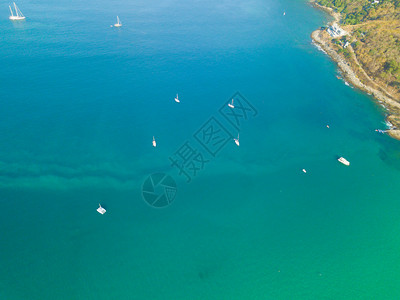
80	102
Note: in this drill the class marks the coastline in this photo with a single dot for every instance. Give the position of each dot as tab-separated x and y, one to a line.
353	73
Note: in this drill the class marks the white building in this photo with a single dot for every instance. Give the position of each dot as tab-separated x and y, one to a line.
335	31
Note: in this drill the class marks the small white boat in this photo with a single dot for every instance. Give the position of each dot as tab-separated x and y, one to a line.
18	14
284	13
237	140
118	24
154	142
230	104
304	170
177	99
380	130
344	161
101	210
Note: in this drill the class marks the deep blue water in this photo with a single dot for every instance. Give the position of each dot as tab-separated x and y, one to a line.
80	102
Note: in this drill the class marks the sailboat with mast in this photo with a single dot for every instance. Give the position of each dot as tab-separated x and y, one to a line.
237	140
101	209
118	24
18	14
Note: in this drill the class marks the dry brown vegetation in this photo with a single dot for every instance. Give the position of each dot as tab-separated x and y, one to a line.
377	48
374	38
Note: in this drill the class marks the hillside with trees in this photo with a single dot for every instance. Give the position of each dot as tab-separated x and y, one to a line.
374	27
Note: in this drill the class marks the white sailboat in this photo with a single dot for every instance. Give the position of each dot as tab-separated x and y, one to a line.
231	104
154	142
177	99
18	14
237	140
118	24
101	210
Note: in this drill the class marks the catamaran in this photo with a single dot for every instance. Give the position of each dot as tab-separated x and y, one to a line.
230	104
237	140
118	24
177	99
101	210
18	14
344	161
154	142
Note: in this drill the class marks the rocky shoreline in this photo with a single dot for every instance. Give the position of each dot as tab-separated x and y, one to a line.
352	72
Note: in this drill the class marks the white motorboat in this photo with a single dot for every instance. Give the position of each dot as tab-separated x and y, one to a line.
344	161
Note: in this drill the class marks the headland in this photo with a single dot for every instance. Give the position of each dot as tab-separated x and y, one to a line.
357	46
